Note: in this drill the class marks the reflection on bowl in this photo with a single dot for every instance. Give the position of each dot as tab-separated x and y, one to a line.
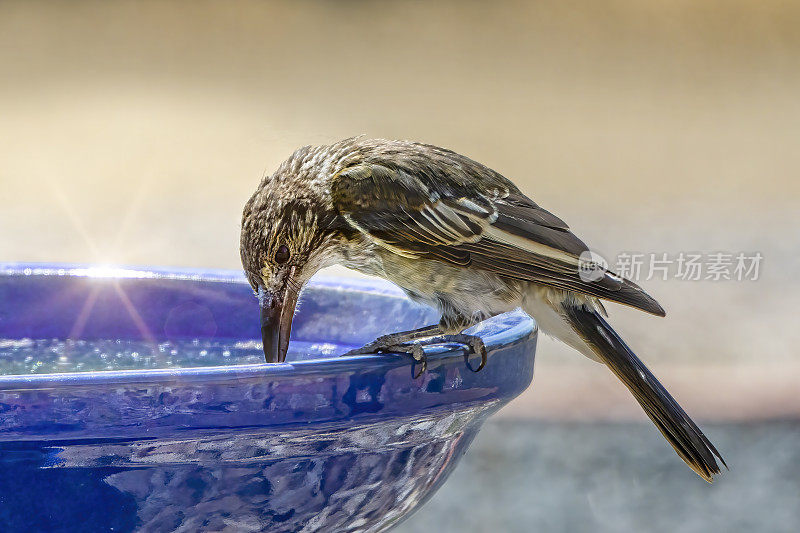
138	399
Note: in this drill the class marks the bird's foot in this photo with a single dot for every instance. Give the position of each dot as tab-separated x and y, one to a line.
390	344
400	343
472	343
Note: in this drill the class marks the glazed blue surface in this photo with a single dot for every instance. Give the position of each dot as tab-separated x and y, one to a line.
334	444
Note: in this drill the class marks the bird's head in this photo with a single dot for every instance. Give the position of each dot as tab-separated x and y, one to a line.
288	234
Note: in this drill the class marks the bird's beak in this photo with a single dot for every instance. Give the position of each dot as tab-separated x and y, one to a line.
277	312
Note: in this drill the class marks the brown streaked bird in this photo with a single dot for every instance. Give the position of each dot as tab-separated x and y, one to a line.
455	235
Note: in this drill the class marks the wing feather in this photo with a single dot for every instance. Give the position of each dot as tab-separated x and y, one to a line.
505	233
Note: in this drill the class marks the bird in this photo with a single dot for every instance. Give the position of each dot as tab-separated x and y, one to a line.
457	236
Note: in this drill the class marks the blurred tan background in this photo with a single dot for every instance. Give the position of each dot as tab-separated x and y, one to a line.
133	132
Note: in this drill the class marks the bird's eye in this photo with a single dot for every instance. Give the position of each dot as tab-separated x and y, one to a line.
282	255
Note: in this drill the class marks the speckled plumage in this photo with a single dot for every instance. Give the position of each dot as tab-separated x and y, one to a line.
455	235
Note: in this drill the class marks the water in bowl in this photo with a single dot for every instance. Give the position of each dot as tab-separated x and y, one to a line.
55	356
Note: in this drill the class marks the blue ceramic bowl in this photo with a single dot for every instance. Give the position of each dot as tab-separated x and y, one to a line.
156	412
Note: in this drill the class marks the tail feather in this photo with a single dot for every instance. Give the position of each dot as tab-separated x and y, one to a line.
682	433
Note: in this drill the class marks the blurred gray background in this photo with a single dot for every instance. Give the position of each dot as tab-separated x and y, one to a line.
132	132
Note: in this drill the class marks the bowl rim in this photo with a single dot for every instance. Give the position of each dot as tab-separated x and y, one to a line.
504	330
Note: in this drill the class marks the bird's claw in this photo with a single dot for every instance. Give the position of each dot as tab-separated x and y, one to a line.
478	347
472	343
381	346
393	343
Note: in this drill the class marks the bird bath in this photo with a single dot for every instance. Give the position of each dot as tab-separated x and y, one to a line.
138	399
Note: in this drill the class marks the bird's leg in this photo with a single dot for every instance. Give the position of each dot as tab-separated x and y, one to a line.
472	343
402	342
456	322
406	342
403	337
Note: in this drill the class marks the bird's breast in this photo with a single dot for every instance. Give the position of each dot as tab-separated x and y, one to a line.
468	291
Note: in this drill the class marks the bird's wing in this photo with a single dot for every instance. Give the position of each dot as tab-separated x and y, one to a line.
502	232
